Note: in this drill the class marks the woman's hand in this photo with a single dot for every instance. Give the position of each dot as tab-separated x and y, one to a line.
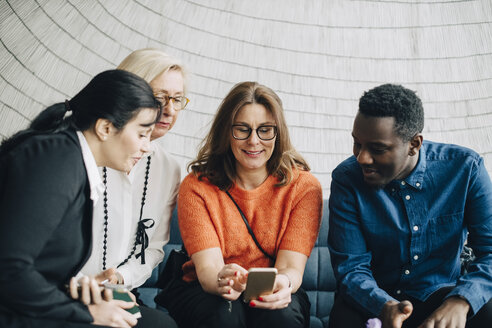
88	291
112	313
281	297
109	275
290	266
231	281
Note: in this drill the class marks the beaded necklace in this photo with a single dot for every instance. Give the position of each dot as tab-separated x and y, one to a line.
141	236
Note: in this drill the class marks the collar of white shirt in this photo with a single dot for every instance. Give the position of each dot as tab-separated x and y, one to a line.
95	182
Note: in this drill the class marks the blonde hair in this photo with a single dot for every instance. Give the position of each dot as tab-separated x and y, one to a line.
149	63
215	160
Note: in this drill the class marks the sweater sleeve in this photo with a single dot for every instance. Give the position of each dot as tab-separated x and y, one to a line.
38	185
305	217
195	225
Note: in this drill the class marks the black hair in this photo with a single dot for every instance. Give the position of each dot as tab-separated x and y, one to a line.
115	95
390	100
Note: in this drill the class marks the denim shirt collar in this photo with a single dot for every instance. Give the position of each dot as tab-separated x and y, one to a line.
416	177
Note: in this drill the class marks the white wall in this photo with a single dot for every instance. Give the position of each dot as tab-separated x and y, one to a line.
318	55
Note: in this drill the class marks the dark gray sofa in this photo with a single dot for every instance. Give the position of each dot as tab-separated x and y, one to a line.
319	281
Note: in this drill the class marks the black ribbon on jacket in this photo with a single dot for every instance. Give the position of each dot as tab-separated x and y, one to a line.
142	237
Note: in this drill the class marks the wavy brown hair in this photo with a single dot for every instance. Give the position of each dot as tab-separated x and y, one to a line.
215	160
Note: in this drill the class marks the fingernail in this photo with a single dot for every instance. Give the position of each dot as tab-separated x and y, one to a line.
231	283
236	273
230	291
252	304
260	299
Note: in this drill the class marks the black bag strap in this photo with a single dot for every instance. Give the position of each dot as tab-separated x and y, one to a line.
249	228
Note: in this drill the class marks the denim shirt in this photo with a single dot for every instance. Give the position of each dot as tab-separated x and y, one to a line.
407	237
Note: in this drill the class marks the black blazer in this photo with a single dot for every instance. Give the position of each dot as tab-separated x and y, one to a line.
45	227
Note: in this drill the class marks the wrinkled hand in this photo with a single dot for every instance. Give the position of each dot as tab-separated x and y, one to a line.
231	281
451	314
394	313
112	313
90	292
281	297
109	275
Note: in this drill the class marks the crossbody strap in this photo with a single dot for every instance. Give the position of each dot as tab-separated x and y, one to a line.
249	228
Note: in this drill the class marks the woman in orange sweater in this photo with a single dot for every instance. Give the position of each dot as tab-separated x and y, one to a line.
247	154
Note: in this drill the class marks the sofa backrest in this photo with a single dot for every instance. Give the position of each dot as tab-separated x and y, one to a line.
318	281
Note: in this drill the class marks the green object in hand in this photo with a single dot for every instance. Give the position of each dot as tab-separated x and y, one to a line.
122	294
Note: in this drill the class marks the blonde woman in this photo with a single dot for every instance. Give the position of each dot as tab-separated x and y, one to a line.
131	222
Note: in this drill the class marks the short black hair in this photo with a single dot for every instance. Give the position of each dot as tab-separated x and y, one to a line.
391	100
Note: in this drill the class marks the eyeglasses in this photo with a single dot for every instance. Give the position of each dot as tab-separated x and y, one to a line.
179	102
264	132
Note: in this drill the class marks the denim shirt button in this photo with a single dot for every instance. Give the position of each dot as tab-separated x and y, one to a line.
415	228
407	197
407	272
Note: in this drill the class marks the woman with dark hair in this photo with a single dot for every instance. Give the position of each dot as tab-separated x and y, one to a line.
247	164
49	182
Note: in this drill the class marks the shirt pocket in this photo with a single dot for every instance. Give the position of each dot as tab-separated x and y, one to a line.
446	235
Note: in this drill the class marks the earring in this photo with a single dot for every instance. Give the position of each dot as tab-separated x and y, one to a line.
104	138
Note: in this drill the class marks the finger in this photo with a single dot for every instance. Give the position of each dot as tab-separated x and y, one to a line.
128	318
426	324
95	292
405	307
226	290
107	294
281	304
243	279
283	297
134	299
223	282
231	296
232	269
85	294
74	293
123	304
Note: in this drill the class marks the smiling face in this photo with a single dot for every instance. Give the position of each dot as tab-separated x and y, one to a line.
252	154
172	84
125	147
381	153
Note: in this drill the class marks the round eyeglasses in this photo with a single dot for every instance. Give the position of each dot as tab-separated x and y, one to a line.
264	132
178	102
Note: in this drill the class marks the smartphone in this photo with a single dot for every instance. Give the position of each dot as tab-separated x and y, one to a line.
260	282
120	292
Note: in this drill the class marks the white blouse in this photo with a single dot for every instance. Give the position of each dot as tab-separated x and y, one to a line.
124	202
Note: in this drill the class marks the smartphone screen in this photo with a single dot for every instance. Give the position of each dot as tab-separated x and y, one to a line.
260	282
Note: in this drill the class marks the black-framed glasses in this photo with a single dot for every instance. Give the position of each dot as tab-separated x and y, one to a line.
179	102
264	132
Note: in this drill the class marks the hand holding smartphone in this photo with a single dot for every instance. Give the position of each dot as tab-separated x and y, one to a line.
120	292
260	282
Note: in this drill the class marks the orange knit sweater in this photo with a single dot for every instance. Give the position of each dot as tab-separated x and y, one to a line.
285	218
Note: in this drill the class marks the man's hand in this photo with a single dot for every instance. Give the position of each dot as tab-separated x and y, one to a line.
451	314
394	313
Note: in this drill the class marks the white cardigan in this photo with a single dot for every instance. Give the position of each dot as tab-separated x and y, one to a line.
124	202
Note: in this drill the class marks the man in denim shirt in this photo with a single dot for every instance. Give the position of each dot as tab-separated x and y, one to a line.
401	210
